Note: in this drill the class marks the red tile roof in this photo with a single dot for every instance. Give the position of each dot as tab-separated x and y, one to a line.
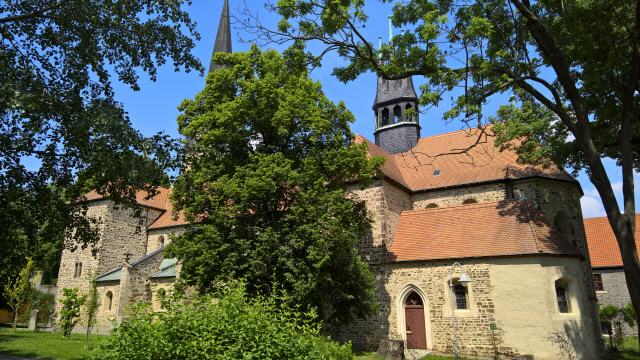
506	228
159	201
415	169
603	247
167	219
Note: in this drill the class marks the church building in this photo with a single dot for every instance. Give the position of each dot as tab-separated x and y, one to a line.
466	240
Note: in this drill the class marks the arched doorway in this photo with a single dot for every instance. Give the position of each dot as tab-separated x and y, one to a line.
414	320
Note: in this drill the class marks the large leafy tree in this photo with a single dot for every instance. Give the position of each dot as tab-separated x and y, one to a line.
267	164
61	131
572	68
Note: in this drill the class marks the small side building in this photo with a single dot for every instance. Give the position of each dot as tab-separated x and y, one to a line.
608	276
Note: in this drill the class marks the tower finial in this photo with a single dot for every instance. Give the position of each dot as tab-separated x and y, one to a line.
390	29
223	37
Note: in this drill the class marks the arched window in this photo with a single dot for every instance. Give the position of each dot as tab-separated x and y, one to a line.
77	272
431	206
407	112
160	241
397	114
108	300
470	201
385	117
562	296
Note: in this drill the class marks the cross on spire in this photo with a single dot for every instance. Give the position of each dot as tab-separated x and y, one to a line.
223	37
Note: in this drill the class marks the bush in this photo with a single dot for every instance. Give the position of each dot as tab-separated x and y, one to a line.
225	326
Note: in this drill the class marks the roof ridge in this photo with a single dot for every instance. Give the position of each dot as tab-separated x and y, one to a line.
448	133
147	256
605	217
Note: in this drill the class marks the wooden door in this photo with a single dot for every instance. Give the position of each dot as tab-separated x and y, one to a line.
414	318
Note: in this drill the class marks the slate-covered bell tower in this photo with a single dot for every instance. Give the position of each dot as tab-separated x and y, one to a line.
396	114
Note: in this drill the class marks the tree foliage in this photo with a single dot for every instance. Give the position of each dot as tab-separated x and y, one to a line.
61	131
226	325
72	302
572	69
269	158
19	291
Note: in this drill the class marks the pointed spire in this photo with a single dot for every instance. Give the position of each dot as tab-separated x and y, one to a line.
223	37
390	29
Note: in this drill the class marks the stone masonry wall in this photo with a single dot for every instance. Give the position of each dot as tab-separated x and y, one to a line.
396	201
454	197
73	253
559	202
154	235
105	317
138	284
125	237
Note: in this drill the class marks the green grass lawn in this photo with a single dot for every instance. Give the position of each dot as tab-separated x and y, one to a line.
629	351
44	345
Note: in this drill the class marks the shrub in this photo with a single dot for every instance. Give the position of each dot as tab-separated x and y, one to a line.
225	326
70	313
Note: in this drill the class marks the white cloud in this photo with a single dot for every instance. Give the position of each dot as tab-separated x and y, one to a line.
591	206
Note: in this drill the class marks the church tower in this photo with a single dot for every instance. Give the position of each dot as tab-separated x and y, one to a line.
396	115
223	37
396	112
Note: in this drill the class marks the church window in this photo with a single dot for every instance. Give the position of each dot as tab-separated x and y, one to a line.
470	201
460	293
77	271
431	206
108	300
397	113
161	241
385	117
562	296
597	282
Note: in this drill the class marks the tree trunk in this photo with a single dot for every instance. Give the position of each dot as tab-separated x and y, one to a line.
631	267
15	320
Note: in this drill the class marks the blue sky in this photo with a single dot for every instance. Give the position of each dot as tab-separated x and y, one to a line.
154	107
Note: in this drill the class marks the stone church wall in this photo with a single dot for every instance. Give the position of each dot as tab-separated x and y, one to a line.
105	317
121	234
455	196
157	237
615	292
516	294
125	236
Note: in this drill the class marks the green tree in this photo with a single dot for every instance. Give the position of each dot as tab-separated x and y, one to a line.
19	291
90	308
572	68
72	303
61	130
269	158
